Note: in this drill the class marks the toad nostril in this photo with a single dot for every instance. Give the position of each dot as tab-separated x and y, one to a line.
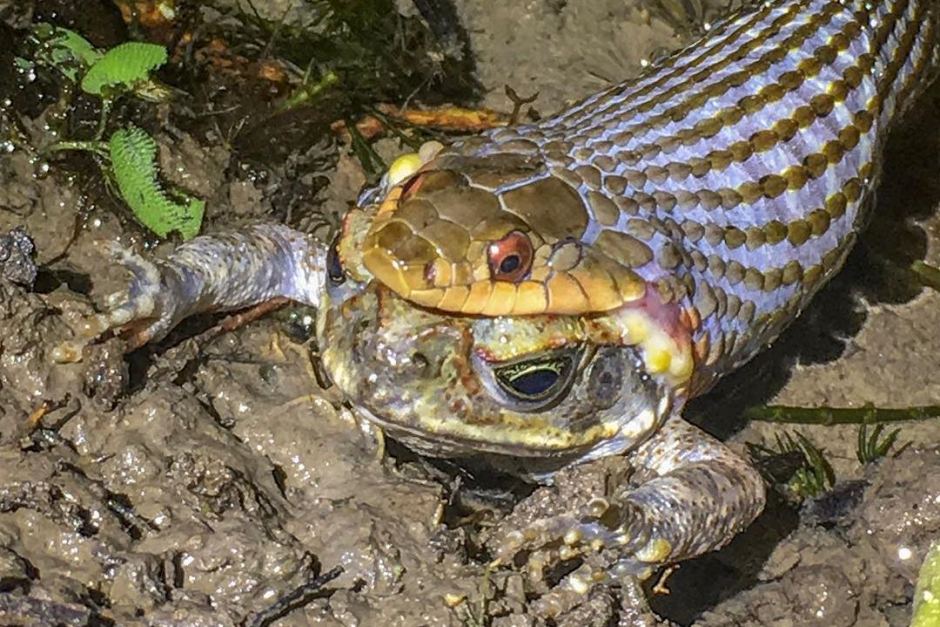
421	363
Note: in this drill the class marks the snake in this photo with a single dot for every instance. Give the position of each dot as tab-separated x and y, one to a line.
732	179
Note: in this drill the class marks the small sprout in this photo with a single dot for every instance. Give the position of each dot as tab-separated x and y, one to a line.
23	65
872	448
133	161
65	50
309	90
811	473
126	67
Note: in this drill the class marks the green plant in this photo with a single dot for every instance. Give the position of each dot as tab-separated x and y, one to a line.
130	155
127	68
811	473
63	49
130	160
871	447
134	165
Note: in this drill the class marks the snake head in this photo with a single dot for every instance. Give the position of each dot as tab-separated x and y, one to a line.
500	234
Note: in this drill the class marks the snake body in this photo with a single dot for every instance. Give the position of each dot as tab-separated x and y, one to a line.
733	178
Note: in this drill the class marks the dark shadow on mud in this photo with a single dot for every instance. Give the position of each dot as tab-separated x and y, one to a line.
700	584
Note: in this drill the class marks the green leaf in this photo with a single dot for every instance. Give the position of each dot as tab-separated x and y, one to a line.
813	474
927	592
872	447
123	67
64	49
133	161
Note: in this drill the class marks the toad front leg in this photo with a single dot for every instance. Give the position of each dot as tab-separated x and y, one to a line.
222	272
689	494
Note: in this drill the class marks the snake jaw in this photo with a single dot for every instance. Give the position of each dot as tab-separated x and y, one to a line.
659	331
664	352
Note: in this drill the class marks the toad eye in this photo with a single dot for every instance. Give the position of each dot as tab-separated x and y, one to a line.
510	258
334	267
537	384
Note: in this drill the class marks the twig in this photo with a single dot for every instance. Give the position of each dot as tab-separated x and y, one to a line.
36	416
34	420
99	148
840	415
293	599
517	103
446	119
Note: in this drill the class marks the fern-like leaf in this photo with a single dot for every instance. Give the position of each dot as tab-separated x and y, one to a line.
123	68
133	162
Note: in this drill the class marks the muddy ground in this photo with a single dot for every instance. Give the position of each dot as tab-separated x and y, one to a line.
200	481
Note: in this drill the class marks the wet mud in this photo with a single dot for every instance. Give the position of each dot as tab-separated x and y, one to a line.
210	480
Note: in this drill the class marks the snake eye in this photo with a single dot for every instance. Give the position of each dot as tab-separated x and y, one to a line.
334	267
510	258
537	384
